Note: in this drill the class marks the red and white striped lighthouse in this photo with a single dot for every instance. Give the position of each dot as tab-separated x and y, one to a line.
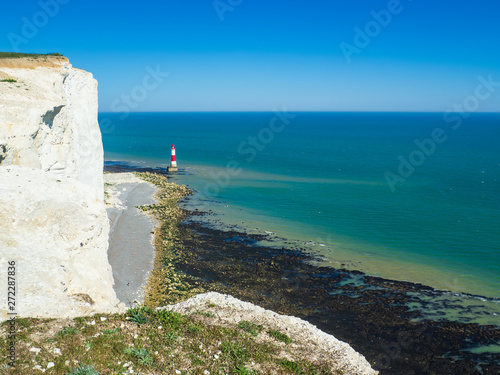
173	161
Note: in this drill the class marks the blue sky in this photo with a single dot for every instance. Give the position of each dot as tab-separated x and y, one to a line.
223	55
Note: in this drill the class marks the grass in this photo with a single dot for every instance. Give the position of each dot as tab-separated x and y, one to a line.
207	314
111	331
142	355
252	328
277	335
83	370
9	80
162	343
291	366
238	353
13	55
139	314
242	370
67	331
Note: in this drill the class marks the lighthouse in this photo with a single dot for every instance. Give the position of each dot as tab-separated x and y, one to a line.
173	162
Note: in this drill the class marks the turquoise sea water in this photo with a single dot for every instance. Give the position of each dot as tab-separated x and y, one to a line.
321	179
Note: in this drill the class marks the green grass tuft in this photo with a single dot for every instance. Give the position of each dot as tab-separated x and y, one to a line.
83	370
111	331
252	328
277	335
140	314
67	331
195	360
142	354
242	370
194	329
23	322
171	319
291	366
236	352
170	337
207	314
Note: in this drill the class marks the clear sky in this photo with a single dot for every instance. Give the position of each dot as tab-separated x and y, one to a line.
223	55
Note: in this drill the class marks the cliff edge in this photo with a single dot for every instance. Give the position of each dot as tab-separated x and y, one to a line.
48	119
53	221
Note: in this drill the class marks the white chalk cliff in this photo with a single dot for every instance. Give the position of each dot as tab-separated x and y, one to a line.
53	221
48	120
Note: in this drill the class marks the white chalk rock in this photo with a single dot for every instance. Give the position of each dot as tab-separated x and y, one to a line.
48	121
53	222
56	232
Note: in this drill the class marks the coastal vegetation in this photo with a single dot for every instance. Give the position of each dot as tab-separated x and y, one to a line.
151	341
13	55
30	60
166	285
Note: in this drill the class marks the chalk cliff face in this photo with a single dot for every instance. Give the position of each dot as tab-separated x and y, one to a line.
48	120
53	221
57	234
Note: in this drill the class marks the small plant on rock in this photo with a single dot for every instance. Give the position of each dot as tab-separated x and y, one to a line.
277	335
83	370
252	328
242	370
142	354
67	331
139	314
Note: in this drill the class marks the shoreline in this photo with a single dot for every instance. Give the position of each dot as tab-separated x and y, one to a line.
131	250
211	220
371	314
338	252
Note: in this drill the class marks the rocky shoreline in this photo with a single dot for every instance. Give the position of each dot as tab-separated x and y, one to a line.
165	284
371	314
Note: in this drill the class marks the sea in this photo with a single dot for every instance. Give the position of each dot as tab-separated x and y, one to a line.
404	196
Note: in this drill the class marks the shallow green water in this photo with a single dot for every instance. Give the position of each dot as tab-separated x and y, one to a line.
321	181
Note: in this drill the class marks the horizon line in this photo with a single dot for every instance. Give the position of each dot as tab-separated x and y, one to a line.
297	111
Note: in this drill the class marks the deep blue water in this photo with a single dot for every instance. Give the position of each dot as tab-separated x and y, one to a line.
322	177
